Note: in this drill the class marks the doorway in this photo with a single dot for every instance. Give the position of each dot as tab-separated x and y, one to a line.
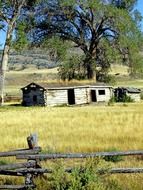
71	97
93	96
34	99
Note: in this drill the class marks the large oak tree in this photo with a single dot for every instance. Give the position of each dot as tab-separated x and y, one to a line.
104	30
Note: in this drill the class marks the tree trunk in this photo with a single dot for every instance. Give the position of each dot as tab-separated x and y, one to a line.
89	65
4	63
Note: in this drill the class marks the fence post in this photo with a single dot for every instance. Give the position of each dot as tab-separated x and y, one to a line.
32	141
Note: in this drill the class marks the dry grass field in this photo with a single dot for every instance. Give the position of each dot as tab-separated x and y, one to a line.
74	129
87	128
78	129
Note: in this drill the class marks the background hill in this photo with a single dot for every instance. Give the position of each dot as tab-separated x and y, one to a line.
36	58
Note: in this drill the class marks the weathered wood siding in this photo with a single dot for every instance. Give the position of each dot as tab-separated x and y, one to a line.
56	97
81	95
100	98
135	96
28	97
34	94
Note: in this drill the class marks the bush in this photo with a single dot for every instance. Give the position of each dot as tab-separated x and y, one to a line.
86	177
112	101
127	98
112	158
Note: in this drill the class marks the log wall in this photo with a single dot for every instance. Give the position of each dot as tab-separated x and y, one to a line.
56	97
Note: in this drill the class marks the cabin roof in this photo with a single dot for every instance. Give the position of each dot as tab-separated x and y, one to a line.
133	90
130	89
60	86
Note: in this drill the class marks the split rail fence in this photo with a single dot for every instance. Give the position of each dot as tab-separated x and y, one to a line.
32	168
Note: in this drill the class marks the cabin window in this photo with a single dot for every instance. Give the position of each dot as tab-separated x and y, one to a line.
71	97
93	96
101	92
35	99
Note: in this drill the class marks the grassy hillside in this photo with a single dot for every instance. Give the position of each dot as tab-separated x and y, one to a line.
17	79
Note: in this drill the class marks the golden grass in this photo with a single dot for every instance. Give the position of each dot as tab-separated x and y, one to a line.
74	129
78	129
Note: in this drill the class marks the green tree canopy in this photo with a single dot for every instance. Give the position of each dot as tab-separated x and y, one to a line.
105	31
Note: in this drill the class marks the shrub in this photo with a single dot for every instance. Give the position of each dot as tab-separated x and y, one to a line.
85	177
112	158
112	101
127	98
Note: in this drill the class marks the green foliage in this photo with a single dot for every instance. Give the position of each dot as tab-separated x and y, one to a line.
127	98
112	101
21	41
4	162
85	177
72	68
106	32
56	47
106	78
113	158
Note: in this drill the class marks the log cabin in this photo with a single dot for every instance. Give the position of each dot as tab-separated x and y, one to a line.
47	95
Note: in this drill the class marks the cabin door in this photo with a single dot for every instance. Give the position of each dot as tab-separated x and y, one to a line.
34	99
93	96
71	97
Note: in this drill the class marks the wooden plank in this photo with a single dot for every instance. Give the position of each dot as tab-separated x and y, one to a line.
17	186
79	155
29	164
36	150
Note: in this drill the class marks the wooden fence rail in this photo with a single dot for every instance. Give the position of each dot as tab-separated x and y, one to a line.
36	150
79	155
38	171
32	168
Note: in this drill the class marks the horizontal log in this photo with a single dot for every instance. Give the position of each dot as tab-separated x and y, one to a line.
29	164
11	173
79	155
17	186
23	172
36	150
125	170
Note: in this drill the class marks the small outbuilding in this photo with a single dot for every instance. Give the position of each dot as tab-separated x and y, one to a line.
123	93
47	95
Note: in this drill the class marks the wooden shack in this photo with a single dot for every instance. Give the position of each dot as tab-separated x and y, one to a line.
122	93
44	95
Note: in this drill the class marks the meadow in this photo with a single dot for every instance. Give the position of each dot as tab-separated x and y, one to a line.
74	129
88	128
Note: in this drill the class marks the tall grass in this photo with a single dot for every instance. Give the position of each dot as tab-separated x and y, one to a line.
78	129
